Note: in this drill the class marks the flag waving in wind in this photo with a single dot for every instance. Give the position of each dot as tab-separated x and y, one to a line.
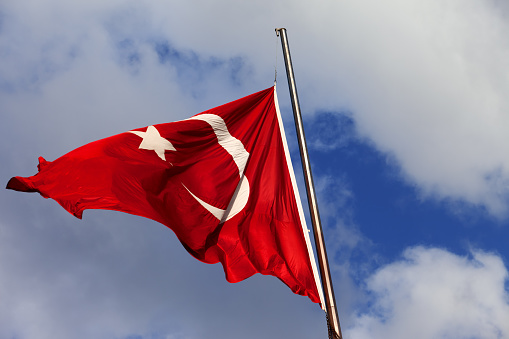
221	180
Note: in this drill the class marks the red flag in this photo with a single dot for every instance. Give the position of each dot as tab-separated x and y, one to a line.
221	180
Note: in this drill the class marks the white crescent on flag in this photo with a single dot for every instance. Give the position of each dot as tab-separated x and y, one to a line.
239	154
152	140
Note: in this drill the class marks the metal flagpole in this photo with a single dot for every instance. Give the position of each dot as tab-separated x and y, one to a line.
330	304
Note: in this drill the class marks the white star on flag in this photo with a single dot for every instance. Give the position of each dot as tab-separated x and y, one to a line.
153	141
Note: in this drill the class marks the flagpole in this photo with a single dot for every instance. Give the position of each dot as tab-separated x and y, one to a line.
330	304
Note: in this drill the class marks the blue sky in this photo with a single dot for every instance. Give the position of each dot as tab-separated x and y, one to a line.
407	118
391	211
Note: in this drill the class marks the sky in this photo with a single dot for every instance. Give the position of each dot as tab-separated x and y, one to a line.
406	115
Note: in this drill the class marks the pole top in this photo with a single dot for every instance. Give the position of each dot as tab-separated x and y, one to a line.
278	30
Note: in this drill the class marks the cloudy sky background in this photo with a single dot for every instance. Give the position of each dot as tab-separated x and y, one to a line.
407	116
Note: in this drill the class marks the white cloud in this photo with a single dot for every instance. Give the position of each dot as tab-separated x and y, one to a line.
425	81
432	293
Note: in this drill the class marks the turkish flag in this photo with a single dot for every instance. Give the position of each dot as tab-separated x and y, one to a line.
221	180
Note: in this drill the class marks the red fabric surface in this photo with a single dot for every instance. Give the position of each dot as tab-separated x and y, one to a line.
264	237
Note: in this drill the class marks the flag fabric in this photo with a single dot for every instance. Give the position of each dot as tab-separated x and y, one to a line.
222	180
